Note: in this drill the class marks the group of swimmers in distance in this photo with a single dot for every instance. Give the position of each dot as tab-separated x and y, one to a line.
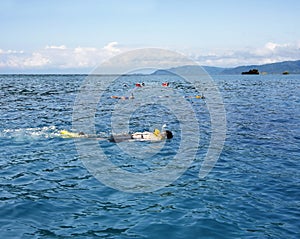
164	84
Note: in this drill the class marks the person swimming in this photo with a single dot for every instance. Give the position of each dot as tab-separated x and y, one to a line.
131	97
156	135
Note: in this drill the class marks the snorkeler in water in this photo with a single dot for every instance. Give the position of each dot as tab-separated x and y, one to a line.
156	135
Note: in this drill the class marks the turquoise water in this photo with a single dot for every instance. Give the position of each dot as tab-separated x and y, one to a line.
252	192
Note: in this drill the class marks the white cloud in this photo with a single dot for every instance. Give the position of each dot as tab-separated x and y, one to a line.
111	47
61	47
272	48
18	59
271	52
36	60
11	51
57	57
84	50
62	57
86	56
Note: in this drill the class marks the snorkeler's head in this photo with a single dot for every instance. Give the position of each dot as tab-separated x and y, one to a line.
169	134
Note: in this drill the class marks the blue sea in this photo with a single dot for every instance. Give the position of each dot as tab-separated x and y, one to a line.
253	191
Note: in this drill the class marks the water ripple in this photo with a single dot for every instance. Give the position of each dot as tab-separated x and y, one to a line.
252	192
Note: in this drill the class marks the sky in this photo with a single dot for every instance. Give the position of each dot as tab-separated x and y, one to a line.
74	36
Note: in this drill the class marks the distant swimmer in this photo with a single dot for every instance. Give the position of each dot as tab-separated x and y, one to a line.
139	84
131	97
197	97
156	135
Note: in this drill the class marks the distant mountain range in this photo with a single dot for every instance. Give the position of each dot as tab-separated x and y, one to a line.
292	67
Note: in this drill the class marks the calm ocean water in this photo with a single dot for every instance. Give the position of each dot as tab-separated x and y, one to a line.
252	192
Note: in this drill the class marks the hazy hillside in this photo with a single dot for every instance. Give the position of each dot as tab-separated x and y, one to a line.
190	69
293	67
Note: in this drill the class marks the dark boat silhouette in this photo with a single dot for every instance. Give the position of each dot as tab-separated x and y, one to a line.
251	72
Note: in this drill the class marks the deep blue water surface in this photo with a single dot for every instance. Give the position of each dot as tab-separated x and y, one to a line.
252	192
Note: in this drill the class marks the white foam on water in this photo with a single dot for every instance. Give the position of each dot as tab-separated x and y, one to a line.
31	133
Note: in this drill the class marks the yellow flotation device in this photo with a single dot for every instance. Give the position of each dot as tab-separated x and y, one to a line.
156	132
68	134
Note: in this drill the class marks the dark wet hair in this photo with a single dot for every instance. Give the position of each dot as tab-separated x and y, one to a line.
169	134
81	133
